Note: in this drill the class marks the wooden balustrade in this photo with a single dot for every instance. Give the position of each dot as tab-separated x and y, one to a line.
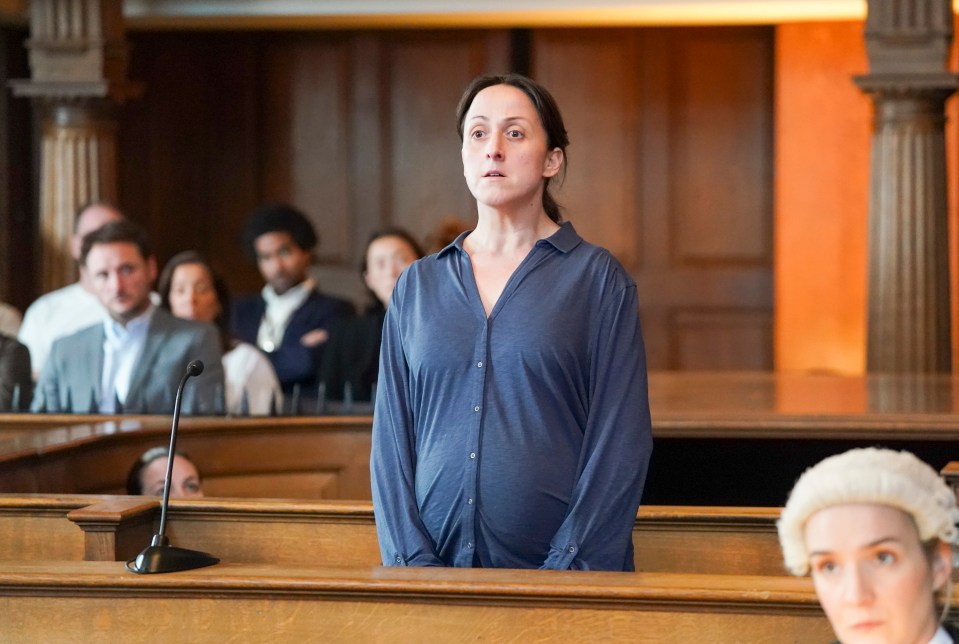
59	601
342	533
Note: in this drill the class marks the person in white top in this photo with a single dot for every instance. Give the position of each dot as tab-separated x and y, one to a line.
876	529
66	310
191	290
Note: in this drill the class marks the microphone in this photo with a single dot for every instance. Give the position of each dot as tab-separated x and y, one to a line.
160	556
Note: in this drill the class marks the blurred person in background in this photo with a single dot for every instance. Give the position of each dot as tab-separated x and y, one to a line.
191	290
352	354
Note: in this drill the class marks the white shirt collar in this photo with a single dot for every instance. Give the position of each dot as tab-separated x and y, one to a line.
279	310
135	328
941	637
293	297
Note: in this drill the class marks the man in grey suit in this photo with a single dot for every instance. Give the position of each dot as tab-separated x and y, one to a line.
133	361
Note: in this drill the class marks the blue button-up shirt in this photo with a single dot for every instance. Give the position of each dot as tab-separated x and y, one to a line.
518	440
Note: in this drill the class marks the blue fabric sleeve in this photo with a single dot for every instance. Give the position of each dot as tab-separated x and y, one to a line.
617	445
404	540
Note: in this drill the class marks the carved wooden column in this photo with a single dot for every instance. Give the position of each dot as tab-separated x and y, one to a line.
909	327
78	65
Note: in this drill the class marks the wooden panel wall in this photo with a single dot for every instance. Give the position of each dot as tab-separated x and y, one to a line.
189	149
671	169
670	166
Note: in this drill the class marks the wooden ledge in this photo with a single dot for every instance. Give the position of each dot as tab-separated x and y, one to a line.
65	578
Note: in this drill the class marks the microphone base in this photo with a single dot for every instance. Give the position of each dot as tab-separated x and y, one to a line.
154	559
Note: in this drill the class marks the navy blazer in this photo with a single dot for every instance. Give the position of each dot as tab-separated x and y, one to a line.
70	379
294	363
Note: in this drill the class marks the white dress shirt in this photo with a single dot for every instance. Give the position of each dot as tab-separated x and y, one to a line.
122	346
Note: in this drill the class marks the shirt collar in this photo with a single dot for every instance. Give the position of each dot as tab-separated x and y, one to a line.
941	637
137	327
296	295
564	240
455	244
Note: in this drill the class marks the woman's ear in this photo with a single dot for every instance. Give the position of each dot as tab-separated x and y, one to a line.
941	565
554	161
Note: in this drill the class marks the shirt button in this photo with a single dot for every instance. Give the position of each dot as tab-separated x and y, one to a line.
476	408
399	559
480	364
572	549
472	454
469	501
469	545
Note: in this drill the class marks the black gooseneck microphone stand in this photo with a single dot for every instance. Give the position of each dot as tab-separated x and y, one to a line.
160	556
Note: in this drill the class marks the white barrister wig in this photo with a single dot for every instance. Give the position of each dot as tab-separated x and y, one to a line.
869	475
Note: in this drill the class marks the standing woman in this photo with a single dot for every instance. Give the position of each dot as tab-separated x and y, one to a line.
511	426
876	530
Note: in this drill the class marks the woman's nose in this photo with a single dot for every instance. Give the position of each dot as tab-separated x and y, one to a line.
493	148
857	588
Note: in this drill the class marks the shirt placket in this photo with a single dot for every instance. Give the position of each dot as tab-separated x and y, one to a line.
478	369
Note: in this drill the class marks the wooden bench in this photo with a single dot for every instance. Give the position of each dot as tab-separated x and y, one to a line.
37	528
666	539
101	601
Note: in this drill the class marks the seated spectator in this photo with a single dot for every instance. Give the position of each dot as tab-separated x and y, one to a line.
190	290
16	383
353	352
290	319
71	308
148	474
134	360
9	319
876	529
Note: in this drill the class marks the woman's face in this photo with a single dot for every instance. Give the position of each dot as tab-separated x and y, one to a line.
505	158
184	481
873	578
386	258
192	294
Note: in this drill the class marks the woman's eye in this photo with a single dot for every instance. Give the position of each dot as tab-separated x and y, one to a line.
886	558
477	134
514	134
825	567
